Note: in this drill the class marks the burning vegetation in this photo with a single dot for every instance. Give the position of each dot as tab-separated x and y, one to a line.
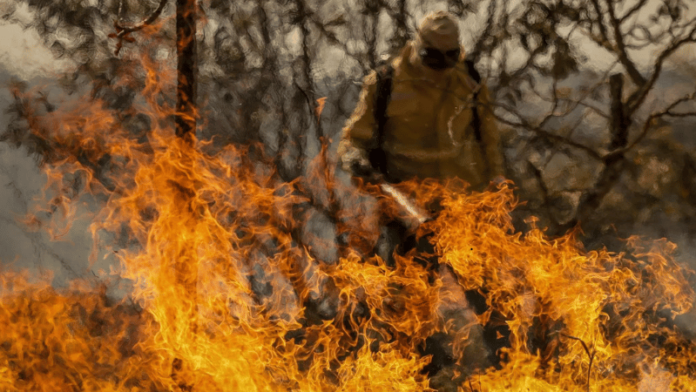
234	316
228	294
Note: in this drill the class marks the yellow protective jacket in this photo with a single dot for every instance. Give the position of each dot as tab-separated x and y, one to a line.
428	133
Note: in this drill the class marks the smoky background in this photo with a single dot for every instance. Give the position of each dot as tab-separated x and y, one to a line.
595	100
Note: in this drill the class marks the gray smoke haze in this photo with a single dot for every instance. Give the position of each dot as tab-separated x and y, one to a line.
21	184
22	56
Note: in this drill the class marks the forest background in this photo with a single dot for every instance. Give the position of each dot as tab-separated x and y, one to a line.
595	99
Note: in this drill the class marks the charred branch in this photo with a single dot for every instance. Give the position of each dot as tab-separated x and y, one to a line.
590	355
123	32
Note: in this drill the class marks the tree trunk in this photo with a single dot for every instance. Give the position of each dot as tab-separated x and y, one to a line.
186	273
186	68
619	121
614	165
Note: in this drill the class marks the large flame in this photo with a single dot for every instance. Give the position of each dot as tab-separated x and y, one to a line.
221	278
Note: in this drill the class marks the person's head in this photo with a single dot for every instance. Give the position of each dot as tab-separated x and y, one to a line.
437	43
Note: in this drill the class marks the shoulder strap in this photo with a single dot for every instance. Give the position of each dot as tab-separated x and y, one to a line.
385	75
476	119
471	68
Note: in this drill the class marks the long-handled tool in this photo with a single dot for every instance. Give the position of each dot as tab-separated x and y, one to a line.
410	215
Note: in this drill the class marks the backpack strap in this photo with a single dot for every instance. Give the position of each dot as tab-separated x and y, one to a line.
475	119
377	156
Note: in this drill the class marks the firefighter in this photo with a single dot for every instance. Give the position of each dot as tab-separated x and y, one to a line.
426	114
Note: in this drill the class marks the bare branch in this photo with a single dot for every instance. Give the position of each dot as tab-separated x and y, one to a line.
576	103
538	175
123	32
487	31
590	354
621	47
580	101
637	98
606	45
615	162
329	35
600	22
555	102
633	10
401	17
648	39
667	112
524	123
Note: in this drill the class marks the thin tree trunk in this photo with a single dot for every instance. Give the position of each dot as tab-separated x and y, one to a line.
186	68
186	273
619	120
613	165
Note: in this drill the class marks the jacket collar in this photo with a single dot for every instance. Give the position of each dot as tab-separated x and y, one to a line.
405	70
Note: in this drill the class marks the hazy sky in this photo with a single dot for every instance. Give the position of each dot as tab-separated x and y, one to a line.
23	55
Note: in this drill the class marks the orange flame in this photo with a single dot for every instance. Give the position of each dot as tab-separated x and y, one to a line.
320	106
234	226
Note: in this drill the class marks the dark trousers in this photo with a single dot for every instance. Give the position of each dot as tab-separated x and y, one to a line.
395	238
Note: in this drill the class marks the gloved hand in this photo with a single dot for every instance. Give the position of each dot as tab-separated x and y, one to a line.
499	181
356	162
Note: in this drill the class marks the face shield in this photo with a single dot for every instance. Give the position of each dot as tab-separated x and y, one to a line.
437	43
438	60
